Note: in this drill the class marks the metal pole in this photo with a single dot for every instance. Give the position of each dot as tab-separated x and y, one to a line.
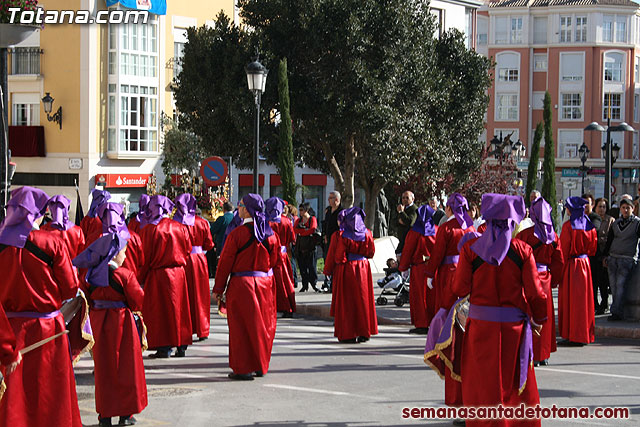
4	143
607	164
257	144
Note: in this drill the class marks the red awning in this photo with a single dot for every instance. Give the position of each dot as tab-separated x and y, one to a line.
26	141
246	180
314	179
274	180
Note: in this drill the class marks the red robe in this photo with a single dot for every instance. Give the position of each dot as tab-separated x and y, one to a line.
166	298
285	290
92	229
121	387
8	353
490	353
576	312
73	238
551	256
251	310
198	277
352	303
447	238
45	376
134	225
422	300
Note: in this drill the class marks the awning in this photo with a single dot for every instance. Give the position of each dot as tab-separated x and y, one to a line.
26	141
157	7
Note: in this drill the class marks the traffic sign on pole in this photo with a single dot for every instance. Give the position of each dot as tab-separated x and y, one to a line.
214	170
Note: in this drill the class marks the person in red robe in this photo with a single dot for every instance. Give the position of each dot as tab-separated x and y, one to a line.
249	255
90	224
112	218
418	246
283	277
197	269
546	251
60	225
352	302
114	293
9	356
135	224
440	271
500	277
167	246
578	241
37	277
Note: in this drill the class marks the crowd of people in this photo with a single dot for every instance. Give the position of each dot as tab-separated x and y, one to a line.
481	280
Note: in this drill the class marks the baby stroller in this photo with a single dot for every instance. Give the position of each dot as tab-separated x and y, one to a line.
393	284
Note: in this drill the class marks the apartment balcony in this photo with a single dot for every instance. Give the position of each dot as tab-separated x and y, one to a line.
24	62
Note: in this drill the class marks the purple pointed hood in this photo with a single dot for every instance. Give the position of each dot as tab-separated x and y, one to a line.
142	210
424	223
503	213
158	207
98	197
185	209
579	220
466	237
111	215
352	224
255	206
25	206
59	208
540	213
274	207
459	206
97	256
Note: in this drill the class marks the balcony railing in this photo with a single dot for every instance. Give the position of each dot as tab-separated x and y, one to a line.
24	60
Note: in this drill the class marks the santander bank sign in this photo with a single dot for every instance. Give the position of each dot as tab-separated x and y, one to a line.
122	180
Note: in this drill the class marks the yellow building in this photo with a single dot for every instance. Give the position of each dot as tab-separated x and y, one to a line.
113	83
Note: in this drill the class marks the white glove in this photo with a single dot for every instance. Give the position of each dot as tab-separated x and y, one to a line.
430	283
405	274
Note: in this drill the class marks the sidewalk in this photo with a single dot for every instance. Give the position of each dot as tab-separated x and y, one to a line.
318	305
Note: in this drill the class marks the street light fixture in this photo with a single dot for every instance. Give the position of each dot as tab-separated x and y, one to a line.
47	104
584	155
257	80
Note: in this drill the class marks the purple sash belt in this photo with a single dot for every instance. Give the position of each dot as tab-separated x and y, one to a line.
104	304
283	249
196	249
355	257
580	256
33	314
451	259
542	267
253	273
509	314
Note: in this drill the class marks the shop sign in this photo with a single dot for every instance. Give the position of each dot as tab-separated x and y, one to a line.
112	180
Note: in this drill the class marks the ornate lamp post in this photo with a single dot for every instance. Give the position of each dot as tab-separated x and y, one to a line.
583	151
257	80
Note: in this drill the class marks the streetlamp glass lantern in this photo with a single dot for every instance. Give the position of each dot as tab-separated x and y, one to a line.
584	152
256	76
47	103
615	151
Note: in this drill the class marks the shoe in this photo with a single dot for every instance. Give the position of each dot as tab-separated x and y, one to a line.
180	352
599	311
614	318
259	374
104	421
567	343
349	341
240	377
202	338
160	355
536	364
287	315
544	362
127	421
362	339
419	331
304	289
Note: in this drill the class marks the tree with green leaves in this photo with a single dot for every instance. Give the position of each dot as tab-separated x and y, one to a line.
532	172
285	148
549	162
181	150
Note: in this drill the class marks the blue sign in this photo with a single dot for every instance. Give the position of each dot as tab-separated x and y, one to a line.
214	170
157	7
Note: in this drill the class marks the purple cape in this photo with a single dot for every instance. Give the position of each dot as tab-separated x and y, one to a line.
157	208
111	215
579	220
59	208
352	224
274	207
97	256
255	206
540	213
424	223
459	206
98	197
25	206
185	209
502	213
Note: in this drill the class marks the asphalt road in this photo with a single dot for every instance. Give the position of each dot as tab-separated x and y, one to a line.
315	381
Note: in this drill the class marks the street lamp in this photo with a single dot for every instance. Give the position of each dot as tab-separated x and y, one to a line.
609	150
257	80
47	104
584	155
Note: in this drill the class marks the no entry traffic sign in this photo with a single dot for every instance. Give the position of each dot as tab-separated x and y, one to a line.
214	170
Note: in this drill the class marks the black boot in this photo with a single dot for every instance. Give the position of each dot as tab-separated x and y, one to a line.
127	421
104	421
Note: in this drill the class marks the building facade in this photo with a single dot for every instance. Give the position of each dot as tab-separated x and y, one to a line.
587	55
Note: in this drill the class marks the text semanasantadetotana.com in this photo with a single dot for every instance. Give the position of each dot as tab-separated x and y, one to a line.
517	412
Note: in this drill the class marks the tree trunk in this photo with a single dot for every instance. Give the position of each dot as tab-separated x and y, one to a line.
334	168
350	156
372	190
